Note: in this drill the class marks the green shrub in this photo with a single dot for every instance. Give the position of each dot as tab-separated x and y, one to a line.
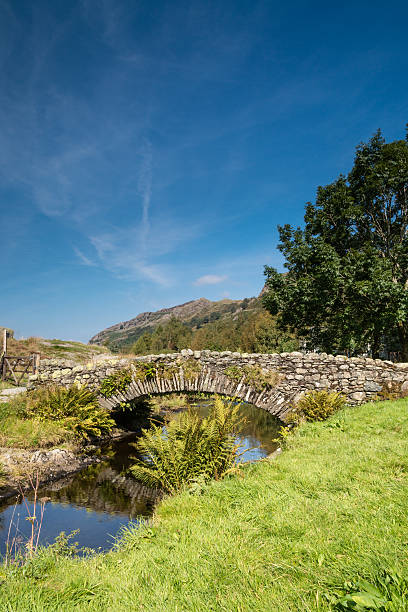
190	448
115	383
191	369
318	405
120	381
75	409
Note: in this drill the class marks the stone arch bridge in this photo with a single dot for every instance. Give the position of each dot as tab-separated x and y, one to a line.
272	382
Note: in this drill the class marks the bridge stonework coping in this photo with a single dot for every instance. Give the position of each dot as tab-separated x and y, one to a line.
359	379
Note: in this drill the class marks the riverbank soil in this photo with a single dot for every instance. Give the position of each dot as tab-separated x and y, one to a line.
285	536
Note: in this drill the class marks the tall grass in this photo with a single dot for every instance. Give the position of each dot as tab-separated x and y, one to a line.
15	552
31	433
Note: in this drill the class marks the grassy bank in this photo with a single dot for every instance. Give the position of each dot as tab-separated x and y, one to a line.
331	508
18	429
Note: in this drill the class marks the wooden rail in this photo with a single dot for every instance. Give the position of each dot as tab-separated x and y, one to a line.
15	367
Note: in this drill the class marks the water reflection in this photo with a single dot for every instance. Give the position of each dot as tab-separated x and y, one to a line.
103	497
259	430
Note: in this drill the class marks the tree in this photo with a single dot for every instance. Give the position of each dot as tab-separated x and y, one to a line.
346	287
170	337
142	346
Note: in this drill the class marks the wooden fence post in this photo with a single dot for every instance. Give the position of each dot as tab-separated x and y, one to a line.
36	362
3	353
4	342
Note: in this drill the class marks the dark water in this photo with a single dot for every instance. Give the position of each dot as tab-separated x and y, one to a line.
102	498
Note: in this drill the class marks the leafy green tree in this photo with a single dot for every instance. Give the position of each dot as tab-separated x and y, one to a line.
346	287
172	336
142	346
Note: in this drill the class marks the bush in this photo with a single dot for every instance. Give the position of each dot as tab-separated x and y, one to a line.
190	448
120	380
115	383
319	405
75	409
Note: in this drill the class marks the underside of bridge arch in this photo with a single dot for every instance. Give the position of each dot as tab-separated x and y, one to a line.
272	400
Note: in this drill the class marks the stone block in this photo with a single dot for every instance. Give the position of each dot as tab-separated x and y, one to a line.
370	385
404	389
14	391
358	396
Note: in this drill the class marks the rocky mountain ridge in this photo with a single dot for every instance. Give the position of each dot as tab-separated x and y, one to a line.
194	313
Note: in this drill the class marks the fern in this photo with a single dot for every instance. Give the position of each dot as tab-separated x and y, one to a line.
75	409
190	447
319	405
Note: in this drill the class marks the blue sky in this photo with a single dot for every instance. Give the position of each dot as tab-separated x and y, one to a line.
150	149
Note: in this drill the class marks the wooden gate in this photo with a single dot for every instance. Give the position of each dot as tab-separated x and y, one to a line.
15	367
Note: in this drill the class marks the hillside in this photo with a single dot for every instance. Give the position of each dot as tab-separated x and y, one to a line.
194	314
54	349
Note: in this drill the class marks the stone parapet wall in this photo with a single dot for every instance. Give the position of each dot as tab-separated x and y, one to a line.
359	379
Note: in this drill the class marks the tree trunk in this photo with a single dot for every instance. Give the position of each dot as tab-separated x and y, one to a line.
403	338
375	347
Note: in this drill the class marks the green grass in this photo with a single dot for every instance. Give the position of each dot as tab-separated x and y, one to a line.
31	433
19	429
4	384
331	508
49	416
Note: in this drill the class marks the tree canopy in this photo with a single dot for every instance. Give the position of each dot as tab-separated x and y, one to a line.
346	286
251	330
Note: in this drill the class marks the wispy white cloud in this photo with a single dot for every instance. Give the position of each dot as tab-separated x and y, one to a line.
102	158
145	190
132	253
209	279
86	261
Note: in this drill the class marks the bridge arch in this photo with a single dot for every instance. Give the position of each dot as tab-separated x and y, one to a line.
206	380
271	382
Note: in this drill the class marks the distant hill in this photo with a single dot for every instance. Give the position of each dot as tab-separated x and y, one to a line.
194	314
54	349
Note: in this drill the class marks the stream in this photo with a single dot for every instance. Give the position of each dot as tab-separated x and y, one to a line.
102	498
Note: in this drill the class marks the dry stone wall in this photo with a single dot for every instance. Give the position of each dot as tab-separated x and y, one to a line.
359	379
